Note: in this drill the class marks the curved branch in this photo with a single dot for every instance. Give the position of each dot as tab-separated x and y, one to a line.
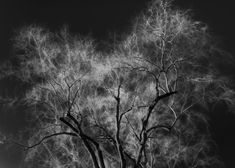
158	127
45	138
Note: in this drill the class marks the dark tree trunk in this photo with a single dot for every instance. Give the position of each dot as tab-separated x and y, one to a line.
92	153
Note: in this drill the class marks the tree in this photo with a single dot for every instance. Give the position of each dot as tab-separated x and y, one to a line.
141	105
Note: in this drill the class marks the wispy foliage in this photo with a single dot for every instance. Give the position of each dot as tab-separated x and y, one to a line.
140	106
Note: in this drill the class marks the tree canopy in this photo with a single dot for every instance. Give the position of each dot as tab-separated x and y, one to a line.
140	105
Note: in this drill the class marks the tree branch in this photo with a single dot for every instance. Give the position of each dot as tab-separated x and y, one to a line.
45	138
157	127
69	125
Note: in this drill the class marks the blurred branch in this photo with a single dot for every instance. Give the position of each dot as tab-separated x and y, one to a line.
45	138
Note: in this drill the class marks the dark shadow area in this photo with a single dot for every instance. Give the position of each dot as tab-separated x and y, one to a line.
223	129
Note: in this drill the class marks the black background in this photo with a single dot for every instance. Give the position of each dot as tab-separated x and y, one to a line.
99	17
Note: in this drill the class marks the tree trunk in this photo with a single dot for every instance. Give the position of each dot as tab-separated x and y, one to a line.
97	147
118	123
84	138
92	153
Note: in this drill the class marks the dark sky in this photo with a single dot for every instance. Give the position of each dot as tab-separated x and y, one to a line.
98	17
103	16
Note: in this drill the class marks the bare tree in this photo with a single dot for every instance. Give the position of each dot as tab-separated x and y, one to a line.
140	106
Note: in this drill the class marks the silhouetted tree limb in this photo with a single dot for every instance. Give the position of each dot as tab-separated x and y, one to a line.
45	138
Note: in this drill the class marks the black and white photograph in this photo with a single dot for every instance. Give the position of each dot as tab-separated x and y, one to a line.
117	84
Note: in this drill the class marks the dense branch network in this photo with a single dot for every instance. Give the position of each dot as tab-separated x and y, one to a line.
136	106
